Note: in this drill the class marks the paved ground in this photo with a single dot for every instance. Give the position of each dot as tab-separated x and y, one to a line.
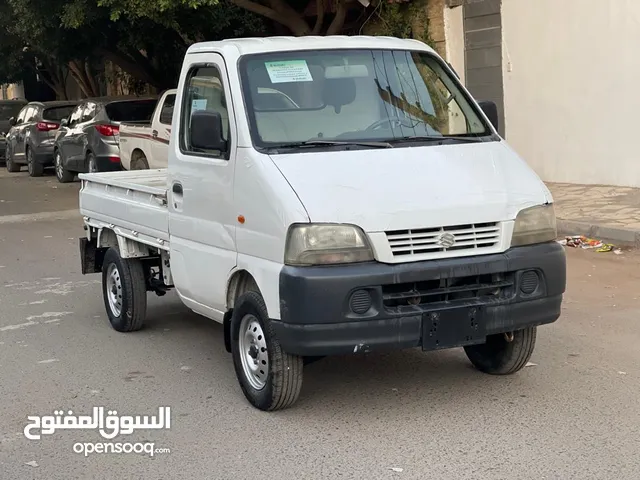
573	415
611	213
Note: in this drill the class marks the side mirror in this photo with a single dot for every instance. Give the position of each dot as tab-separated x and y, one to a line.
12	122
64	122
206	131
491	111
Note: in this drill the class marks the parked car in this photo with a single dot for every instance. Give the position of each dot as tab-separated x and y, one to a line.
30	140
88	141
145	145
8	109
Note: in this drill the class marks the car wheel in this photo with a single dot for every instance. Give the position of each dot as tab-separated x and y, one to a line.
92	164
504	353
270	378
63	175
140	163
11	166
35	169
125	291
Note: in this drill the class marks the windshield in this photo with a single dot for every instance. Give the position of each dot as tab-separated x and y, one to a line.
354	95
131	111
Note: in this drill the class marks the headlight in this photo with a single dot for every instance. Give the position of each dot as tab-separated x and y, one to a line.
534	225
326	244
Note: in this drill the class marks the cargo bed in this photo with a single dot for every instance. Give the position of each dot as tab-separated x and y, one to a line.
131	203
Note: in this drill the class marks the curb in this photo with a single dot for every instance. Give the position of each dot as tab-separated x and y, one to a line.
617	235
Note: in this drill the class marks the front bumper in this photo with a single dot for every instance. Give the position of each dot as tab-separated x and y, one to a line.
320	315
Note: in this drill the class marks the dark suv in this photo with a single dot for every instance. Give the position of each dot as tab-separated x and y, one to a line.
8	109
89	140
30	140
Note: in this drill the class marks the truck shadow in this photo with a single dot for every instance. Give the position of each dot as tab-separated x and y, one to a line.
396	380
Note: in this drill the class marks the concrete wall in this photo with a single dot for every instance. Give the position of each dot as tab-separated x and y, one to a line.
571	74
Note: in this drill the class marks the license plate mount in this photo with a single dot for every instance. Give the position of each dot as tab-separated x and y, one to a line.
454	327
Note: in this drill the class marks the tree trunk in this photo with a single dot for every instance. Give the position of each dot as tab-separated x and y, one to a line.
337	23
140	70
77	69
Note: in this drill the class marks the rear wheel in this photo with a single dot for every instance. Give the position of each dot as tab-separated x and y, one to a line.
92	164
270	378
35	169
140	163
505	353
63	175
125	291
9	163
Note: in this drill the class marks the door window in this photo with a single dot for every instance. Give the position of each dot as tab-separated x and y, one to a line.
31	114
76	116
22	115
205	91
166	114
89	112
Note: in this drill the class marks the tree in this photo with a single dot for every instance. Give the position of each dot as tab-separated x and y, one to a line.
298	17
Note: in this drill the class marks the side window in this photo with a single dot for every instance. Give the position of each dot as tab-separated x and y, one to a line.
76	116
89	112
166	114
22	115
204	91
31	115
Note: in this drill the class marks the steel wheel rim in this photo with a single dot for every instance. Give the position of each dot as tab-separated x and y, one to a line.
253	352
59	170
114	290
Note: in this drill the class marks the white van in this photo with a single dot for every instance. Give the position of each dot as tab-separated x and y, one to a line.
331	196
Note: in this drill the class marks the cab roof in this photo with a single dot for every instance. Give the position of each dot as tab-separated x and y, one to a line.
246	46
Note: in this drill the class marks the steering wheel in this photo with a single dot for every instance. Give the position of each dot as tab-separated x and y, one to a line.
392	121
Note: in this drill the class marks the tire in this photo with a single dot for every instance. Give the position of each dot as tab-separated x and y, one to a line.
92	164
282	378
35	169
502	357
62	174
124	291
11	166
140	163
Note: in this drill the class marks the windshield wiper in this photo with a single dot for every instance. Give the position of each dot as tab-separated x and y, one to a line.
430	138
331	143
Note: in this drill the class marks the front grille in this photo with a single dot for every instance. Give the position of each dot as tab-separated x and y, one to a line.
424	241
479	289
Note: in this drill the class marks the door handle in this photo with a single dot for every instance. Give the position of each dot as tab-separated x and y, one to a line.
177	188
154	133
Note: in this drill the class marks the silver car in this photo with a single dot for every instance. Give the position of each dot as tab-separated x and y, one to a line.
8	109
33	131
89	140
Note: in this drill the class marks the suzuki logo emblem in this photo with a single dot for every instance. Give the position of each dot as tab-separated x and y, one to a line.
446	240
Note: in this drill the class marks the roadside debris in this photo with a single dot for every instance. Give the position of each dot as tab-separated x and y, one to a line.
531	364
580	241
32	463
397	469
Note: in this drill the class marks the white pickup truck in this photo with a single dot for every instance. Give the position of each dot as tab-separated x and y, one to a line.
376	209
146	145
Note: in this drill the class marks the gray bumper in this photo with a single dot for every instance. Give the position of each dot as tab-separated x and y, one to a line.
344	309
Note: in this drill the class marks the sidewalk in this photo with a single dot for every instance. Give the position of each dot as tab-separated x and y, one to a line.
602	212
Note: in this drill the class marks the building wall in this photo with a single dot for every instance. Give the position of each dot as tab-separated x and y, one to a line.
571	73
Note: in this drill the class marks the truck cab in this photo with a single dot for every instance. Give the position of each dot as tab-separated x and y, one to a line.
331	196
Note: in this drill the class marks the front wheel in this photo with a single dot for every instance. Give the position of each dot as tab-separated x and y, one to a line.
505	353
92	164
63	175
270	378
125	291
12	167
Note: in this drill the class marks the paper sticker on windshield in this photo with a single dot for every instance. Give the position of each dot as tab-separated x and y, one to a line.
289	71
199	104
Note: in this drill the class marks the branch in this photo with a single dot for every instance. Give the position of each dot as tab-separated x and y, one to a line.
259	9
91	79
338	20
317	28
78	76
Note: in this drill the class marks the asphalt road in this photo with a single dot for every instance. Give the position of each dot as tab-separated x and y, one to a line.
572	415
